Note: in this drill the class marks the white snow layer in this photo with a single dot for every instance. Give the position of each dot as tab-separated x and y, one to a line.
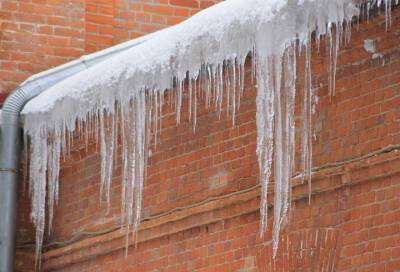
208	51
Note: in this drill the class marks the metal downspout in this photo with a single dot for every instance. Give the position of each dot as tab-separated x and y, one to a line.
10	138
9	163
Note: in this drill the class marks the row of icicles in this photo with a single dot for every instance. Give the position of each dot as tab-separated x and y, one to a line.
221	88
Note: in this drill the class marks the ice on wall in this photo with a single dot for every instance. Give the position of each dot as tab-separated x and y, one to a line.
204	56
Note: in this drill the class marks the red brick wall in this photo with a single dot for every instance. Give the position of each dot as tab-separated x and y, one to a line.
37	35
201	196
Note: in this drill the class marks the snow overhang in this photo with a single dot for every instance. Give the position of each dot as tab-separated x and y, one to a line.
225	31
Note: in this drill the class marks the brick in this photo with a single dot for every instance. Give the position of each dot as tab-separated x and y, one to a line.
106	30
46	30
91	8
70	52
185	3
158	9
174	20
53	20
99	39
106	10
31	18
93	28
68	32
99	19
206	4
9	5
26	7
183	12
44	9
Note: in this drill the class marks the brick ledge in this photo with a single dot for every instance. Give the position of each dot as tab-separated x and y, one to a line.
325	180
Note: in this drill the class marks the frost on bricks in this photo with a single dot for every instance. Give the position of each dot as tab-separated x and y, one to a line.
208	52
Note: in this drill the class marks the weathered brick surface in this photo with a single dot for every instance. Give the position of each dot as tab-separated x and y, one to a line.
351	227
135	18
37	35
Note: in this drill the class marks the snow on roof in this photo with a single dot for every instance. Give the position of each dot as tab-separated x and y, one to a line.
224	31
159	54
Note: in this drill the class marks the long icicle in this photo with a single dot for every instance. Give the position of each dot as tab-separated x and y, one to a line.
265	126
306	134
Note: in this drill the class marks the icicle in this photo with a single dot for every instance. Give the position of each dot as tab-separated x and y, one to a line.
233	92
221	89
161	106
242	74
213	85
195	106
265	126
107	148
53	165
279	174
253	63
275	124
208	87
306	135
388	13
190	98
115	132
179	100
25	163
290	94
129	168
239	85
347	33
140	140
38	187
124	138
134	137
156	115
333	49
228	87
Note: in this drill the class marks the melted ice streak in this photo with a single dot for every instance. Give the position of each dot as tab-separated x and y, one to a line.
209	52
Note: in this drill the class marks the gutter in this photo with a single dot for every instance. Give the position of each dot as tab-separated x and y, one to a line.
10	137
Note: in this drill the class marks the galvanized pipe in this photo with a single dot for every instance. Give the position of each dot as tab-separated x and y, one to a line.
10	138
9	148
